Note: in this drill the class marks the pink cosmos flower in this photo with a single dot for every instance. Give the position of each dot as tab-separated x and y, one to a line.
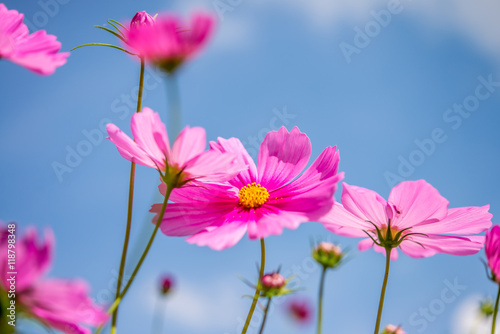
166	283
37	52
416	218
300	310
186	160
169	42
492	249
261	200
61	304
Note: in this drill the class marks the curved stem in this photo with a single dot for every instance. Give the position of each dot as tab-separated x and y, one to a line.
495	312
266	310
257	289
384	287
320	298
117	301
129	211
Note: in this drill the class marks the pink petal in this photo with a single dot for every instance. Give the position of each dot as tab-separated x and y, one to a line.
416	202
342	222
366	244
188	144
221	237
413	249
451	244
128	148
214	166
233	145
467	220
271	221
365	204
64	304
151	135
282	156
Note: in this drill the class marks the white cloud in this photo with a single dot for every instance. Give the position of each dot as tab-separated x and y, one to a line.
466	319
197	309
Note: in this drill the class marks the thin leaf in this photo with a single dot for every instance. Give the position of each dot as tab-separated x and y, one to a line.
116	22
102	44
111	32
117	29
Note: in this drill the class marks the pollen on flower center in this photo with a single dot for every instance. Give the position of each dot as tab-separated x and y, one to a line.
253	195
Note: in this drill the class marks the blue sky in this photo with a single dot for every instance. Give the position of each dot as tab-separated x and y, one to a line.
271	63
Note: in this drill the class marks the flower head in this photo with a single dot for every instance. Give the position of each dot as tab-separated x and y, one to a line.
185	161
37	52
415	219
141	19
328	254
168	42
492	250
300	310
166	284
61	304
261	200
391	329
273	281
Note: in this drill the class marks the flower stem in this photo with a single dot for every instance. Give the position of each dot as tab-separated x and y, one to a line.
495	312
320	298
117	301
129	211
266	310
257	289
384	286
157	327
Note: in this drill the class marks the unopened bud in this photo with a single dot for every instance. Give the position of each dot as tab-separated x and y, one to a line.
391	329
327	254
166	284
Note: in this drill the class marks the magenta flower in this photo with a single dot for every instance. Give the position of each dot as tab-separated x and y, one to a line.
300	310
61	304
492	250
37	52
141	19
185	161
416	219
261	200
166	284
169	42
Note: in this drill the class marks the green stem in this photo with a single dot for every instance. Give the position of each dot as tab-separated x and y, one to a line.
117	301
495	312
320	298
266	310
129	211
257	289
384	287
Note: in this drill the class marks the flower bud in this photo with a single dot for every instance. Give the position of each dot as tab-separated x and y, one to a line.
142	18
300	310
328	254
486	308
391	329
166	284
273	281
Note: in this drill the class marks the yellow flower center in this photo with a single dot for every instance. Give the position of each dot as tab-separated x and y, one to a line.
253	196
